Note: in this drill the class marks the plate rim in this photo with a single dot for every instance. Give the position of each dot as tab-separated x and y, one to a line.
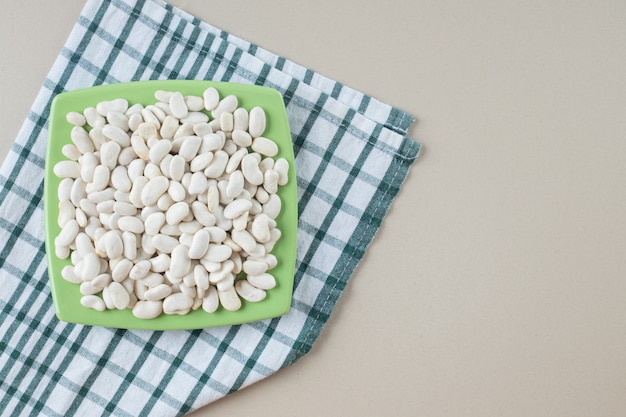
167	322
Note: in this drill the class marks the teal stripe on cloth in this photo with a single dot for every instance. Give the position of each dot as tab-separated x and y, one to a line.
352	157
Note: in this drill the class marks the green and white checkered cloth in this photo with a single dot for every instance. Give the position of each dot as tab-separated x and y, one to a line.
351	158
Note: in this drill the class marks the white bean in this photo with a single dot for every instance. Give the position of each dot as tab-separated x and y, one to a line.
120	179
152	279
260	228
164	165
282	167
163	96
221	221
93	118
147	309
201	277
164	243
169	127
235	160
68	274
190	227
89	207
87	288
194	103
101	177
158	151
100	196
81	217
213	198
218	253
176	213
66	213
189	147
212	142
135	108
211	98
202	129
153	190
131	224
235	185
119	104
160	263
261	195
224	272
263	281
121	270
93	301
176	191
116	134
157	111
119	295
158	292
200	162
265	146
199	244
154	222
249	292
226	122
68	233
244	239
123	208
171	230
118	119
270	181
256	122
236	208
77	193
273	206
241	138
113	244
229	299
91	266
210	301
150	118
134	120
127	155
227	104
185	129
88	163
241	118
65	189
109	152
250	169
226	283
178	303
71	152
269	259
178	106
152	171
76	118
101	281
252	267
202	214
180	261
81	139
67	169
230	147
140	147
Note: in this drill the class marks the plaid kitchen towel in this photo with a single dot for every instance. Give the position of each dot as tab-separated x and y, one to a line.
352	156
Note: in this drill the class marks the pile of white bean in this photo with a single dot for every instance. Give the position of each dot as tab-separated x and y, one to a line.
161	207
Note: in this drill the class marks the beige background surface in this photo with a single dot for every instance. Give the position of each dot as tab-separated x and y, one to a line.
497	284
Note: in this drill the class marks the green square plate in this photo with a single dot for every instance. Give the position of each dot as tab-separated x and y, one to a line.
66	296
